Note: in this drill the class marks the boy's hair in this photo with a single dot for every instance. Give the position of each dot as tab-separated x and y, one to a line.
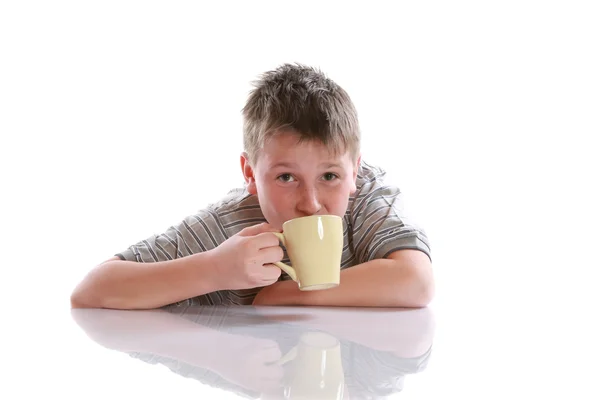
303	100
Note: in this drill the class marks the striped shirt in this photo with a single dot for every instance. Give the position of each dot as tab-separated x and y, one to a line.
374	227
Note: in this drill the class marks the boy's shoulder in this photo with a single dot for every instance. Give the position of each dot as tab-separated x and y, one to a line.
237	206
369	175
234	198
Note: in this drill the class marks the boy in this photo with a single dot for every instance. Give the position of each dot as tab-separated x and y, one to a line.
302	157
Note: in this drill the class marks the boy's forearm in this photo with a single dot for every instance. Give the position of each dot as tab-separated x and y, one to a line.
405	282
131	285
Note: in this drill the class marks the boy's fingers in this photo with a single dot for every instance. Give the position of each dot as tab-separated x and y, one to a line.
256	229
265	240
271	272
269	255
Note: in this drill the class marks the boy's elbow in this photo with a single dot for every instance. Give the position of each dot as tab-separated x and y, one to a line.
423	287
89	293
416	285
83	298
78	300
417	299
423	295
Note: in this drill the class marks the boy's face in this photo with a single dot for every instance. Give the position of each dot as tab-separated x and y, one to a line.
294	179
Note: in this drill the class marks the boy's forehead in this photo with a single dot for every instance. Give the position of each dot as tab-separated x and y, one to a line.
286	150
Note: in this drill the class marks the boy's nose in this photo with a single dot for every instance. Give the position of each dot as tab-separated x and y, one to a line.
308	202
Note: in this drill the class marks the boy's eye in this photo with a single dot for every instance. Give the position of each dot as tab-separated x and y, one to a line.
285	178
329	176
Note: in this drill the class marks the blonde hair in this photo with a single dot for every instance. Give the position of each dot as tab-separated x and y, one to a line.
302	100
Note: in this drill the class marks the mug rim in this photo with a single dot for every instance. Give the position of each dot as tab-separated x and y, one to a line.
312	216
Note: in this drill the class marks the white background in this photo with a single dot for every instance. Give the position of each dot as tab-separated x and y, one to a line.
119	118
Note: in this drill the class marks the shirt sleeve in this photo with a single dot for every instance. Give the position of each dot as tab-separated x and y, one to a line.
195	234
380	226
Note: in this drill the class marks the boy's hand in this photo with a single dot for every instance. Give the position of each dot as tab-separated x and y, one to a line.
245	260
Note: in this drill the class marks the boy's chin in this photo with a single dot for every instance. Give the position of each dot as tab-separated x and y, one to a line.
275	223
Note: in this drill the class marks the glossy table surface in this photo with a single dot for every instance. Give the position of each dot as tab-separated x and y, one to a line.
459	348
268	352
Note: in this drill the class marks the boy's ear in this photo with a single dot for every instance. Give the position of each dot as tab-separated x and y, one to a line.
248	172
355	173
357	166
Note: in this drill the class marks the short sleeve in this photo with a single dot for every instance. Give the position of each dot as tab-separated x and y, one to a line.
196	233
380	226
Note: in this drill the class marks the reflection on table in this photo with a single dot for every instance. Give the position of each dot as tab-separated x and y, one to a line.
274	352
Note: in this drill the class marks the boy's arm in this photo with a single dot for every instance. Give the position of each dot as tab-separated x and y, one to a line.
131	285
241	262
404	279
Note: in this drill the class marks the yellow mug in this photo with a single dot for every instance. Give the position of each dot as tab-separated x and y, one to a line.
314	245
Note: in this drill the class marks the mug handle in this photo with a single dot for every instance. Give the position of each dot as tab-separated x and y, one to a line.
291	355
285	268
